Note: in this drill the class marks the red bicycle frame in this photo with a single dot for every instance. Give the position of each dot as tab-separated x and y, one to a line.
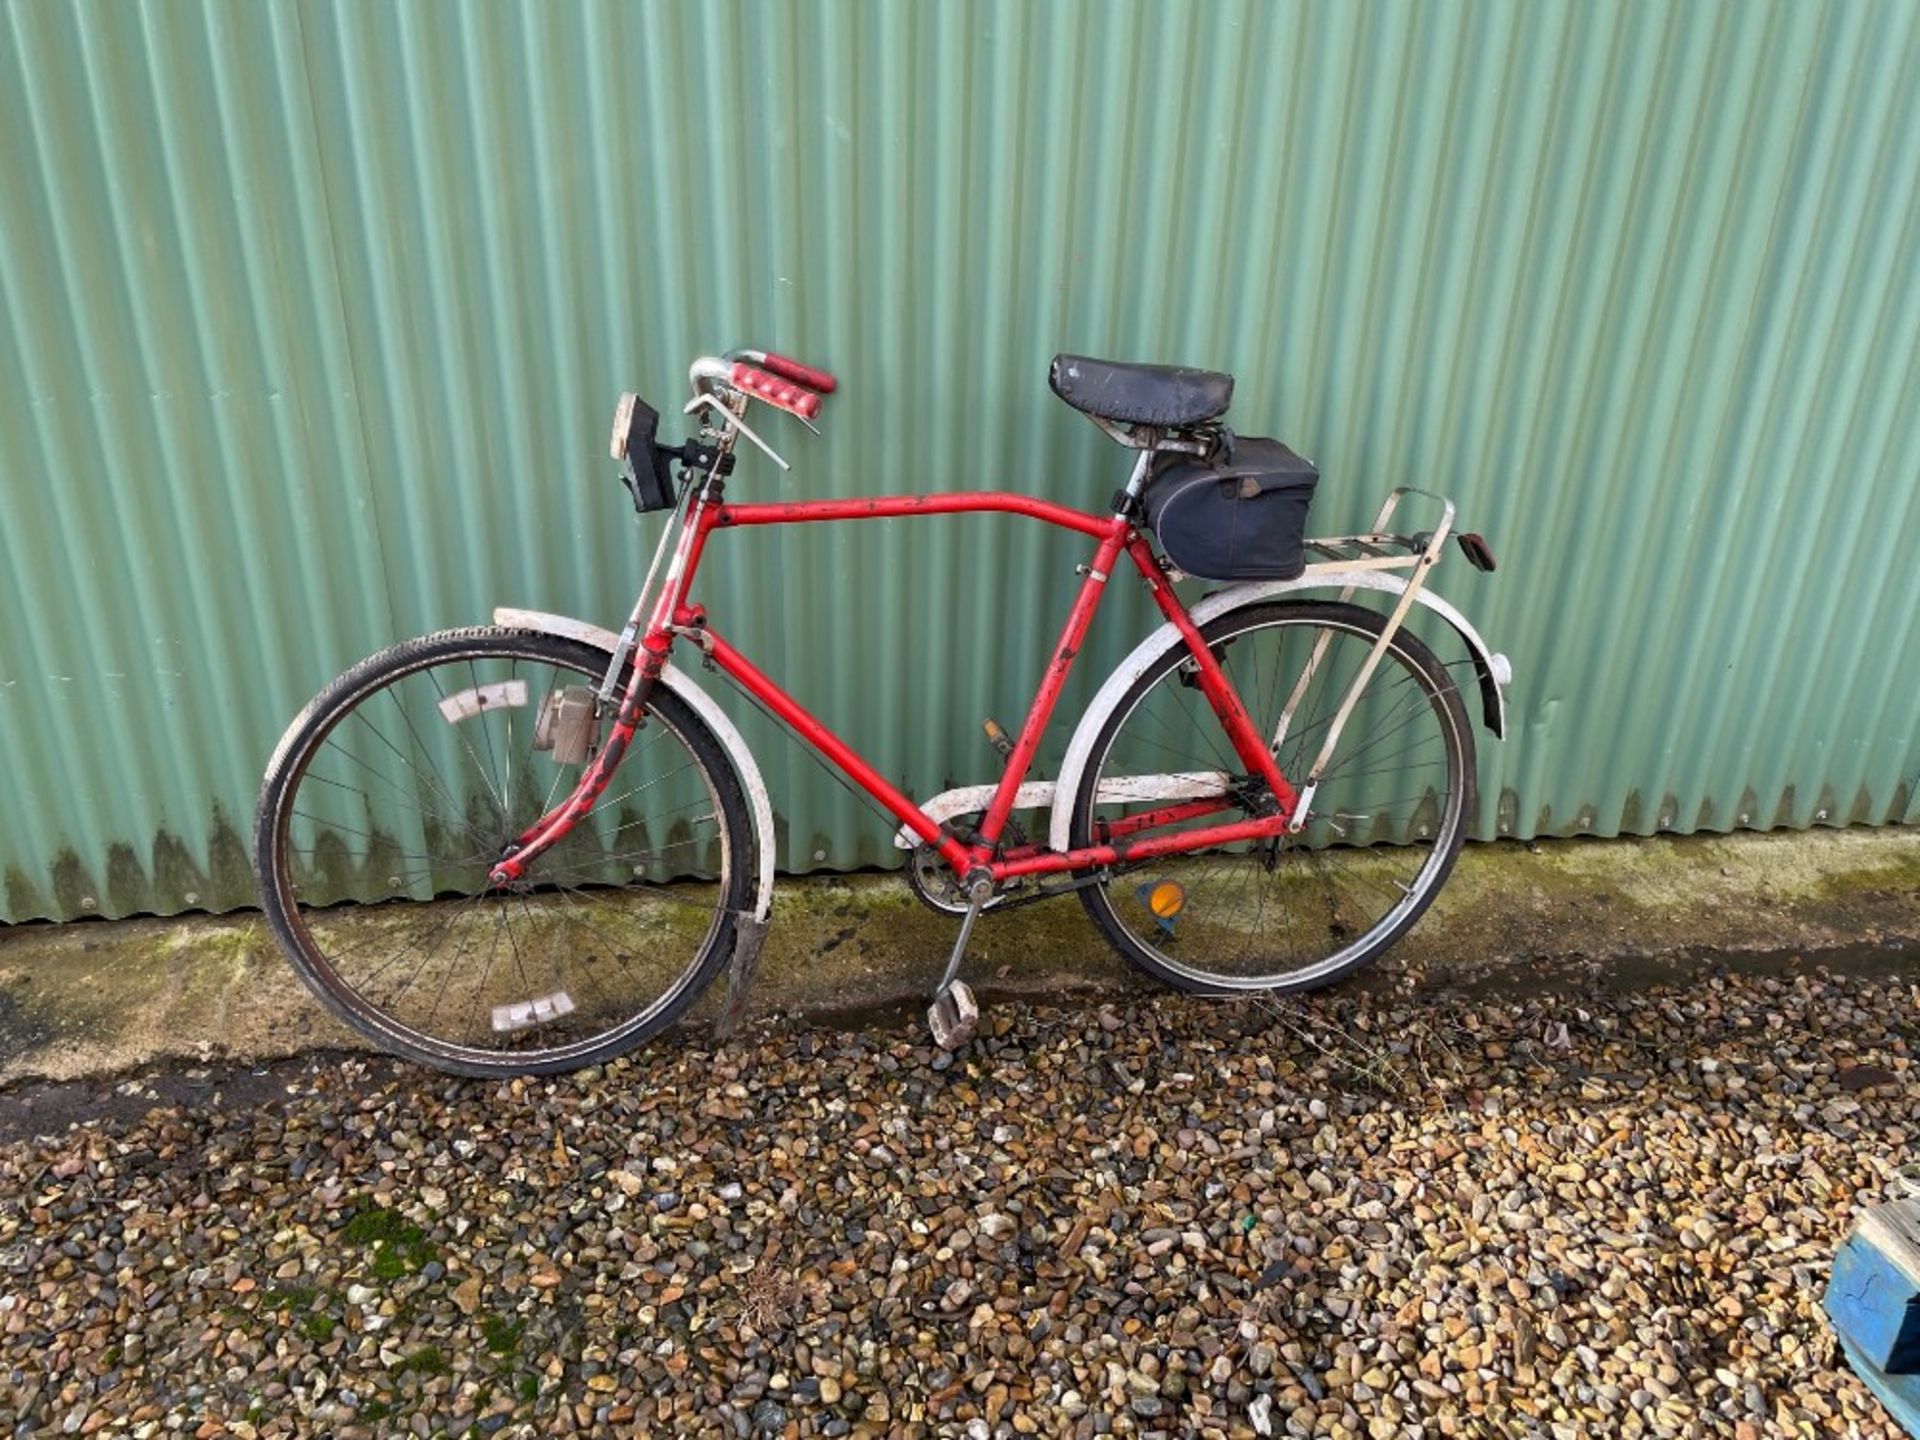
673	617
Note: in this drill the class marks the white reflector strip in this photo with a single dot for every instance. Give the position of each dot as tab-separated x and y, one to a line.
521	1014
1180	785
484	697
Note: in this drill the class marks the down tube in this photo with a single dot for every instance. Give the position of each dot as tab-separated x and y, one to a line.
812	732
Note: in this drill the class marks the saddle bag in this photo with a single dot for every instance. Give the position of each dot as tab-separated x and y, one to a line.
1243	517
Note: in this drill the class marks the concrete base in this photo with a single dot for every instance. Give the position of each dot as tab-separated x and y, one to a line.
95	997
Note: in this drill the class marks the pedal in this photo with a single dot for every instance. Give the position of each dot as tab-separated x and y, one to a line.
997	736
954	1016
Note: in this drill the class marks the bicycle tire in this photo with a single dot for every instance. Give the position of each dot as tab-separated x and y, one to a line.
1422	669
275	853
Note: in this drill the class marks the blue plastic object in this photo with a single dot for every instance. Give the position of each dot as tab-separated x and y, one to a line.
1873	1299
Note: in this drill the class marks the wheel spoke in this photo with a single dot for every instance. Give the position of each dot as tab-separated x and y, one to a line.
432	775
499	803
580	958
400	796
1334	891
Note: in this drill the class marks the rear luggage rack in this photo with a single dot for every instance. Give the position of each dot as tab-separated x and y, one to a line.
1381	548
1344	550
1375	549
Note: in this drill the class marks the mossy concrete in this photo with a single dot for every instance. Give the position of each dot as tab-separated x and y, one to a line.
95	997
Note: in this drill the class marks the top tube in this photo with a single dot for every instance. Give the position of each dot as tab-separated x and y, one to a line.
893	507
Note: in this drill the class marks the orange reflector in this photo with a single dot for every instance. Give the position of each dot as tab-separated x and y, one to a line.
1166	899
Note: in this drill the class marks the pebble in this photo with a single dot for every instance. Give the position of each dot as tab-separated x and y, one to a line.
1371	1212
1260	1414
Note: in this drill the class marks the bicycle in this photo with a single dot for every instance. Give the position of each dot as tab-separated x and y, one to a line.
439	857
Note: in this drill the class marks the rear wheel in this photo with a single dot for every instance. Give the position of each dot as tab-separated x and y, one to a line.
1384	828
391	797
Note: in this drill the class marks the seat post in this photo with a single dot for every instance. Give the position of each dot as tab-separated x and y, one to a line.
1143	462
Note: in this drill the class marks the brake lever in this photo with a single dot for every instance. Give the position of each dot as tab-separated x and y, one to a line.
709	402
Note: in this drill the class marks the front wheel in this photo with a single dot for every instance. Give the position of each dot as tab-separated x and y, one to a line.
1382	833
395	791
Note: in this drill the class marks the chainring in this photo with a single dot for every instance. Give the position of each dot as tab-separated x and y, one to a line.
932	880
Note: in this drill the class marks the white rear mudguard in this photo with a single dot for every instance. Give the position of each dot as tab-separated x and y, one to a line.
681	684
1494	669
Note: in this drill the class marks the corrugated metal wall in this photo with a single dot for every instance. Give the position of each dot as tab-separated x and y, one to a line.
314	315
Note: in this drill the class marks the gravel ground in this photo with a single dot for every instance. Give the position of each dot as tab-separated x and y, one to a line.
1574	1215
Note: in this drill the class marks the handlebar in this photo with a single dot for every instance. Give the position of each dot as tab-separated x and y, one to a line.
776	392
785	383
755	375
790	370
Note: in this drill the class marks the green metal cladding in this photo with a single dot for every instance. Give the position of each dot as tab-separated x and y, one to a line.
314	316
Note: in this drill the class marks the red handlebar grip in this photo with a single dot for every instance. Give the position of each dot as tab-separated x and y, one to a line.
761	385
800	374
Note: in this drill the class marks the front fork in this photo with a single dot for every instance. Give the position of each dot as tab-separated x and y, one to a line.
649	660
552	827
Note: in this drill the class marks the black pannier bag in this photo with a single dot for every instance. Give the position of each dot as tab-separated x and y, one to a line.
1242	518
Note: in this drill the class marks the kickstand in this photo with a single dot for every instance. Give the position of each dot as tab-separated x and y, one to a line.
953	1016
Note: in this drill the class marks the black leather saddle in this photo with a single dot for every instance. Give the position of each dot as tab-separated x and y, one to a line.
1161	395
